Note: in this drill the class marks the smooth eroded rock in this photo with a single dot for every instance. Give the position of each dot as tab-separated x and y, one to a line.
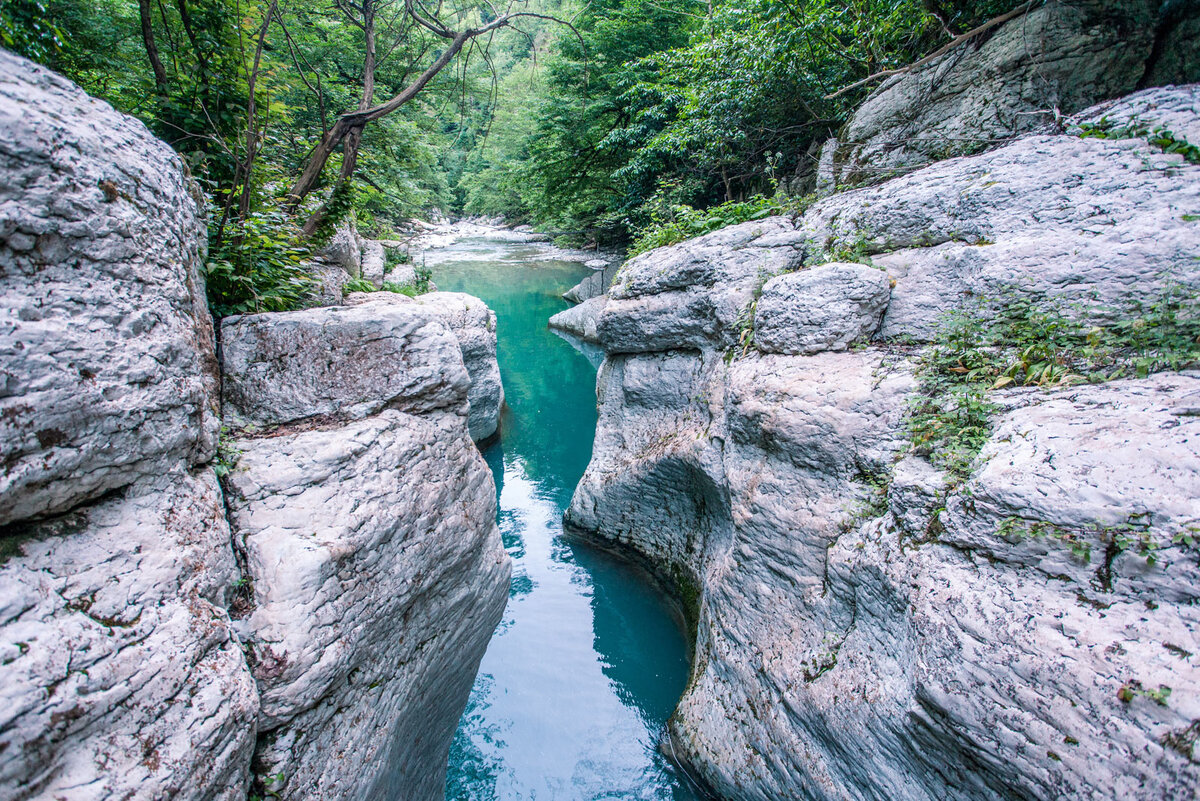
378	576
693	294
108	372
581	320
1095	225
1019	78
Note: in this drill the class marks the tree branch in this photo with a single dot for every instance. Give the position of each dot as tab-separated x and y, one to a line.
1024	8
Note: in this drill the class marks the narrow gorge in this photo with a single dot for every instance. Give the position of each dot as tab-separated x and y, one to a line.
885	485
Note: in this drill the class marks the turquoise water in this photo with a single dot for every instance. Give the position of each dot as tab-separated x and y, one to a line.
588	661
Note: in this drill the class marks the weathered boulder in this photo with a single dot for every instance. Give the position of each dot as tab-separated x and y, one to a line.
581	320
109	372
365	520
866	625
1057	59
378	576
1094	222
343	361
474	326
821	308
120	676
345	249
330	283
692	294
373	262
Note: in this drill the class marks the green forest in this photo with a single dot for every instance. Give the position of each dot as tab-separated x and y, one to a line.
620	124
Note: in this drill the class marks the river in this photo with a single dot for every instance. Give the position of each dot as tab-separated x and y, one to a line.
589	659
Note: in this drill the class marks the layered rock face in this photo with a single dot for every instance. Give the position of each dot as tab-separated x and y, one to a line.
1023	76
121	675
367	520
867	625
313	631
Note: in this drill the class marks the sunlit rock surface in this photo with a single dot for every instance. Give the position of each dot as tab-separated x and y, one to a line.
581	320
367	518
120	673
867	626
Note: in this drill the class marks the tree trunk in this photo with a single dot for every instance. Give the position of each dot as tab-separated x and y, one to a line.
252	113
357	120
352	139
160	73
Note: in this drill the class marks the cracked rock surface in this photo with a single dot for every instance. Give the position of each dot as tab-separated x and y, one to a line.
108	373
868	626
378	576
1016	79
148	650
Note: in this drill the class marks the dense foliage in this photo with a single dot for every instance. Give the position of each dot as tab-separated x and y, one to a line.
612	121
690	104
1014	341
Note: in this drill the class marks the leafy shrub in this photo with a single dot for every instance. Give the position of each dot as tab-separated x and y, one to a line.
418	287
1020	342
1159	136
359	285
672	223
257	266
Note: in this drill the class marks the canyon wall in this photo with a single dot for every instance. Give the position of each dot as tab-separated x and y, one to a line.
295	606
869	624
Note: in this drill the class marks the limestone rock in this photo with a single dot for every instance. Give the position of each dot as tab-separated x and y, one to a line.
378	577
867	627
474	326
345	361
345	249
1093	224
594	285
109	372
821	308
581	320
692	294
1175	108
120	676
1056	60
402	275
373	262
331	281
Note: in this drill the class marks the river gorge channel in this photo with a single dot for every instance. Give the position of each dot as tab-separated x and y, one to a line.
590	658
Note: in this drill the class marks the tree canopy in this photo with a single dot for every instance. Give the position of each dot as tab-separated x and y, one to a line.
594	119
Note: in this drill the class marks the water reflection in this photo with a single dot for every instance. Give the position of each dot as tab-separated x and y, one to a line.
589	660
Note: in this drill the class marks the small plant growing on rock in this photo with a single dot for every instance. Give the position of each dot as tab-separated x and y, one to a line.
1018	341
227	455
1158	136
1133	688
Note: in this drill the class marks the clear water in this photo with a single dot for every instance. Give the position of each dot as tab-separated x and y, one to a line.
589	660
